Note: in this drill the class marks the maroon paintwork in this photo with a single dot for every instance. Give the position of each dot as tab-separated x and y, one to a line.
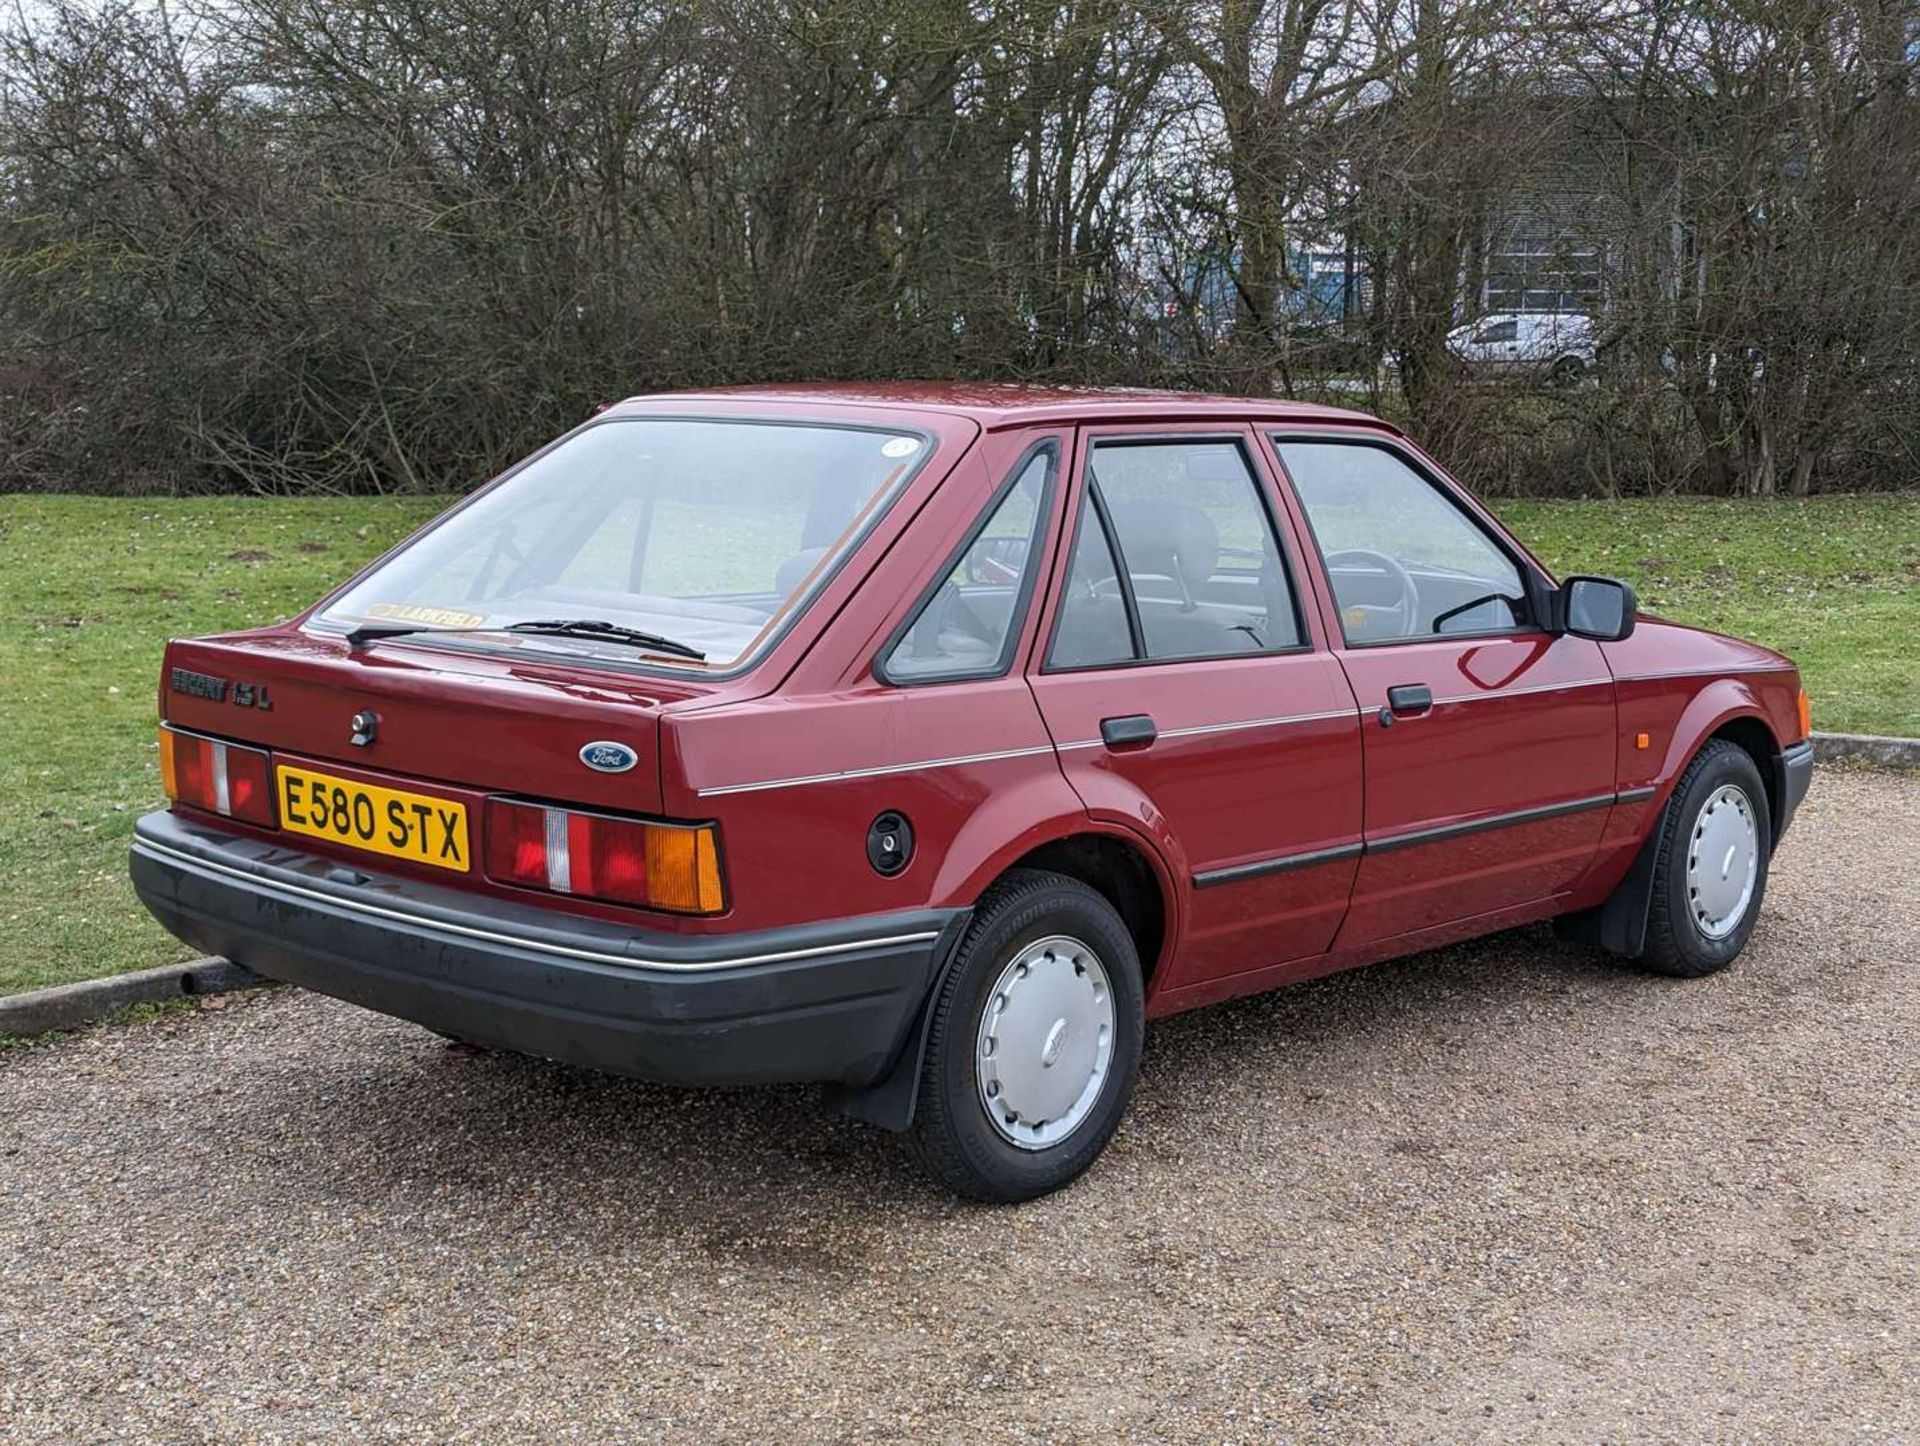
1257	758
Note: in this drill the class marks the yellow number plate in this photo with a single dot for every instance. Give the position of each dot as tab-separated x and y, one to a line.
379	820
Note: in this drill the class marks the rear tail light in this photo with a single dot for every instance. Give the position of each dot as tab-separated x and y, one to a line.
221	778
596	856
1806	715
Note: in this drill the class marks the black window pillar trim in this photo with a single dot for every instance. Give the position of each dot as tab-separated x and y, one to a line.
1122	574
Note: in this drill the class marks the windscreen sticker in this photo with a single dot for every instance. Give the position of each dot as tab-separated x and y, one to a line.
416	613
900	447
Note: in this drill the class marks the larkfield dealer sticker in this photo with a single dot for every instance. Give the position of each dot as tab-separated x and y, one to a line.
434	617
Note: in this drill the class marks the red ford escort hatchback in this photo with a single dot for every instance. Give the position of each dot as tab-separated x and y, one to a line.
925	740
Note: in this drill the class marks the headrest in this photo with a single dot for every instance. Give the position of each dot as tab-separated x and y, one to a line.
788	576
1171	539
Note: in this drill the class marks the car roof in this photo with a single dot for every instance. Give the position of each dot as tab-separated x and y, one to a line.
1485	317
1005	404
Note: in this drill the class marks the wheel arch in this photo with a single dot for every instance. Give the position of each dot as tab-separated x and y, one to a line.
1116	863
1726	709
1753	735
1121	872
1128	868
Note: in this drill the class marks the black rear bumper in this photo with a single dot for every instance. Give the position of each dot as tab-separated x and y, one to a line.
832	1002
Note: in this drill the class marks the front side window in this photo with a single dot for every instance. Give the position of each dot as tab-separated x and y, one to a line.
712	534
1492	331
1177	546
1403	561
967	626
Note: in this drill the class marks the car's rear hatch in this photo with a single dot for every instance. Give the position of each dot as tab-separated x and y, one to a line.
483	720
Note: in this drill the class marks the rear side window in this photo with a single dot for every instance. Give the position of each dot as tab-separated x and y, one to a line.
1199	571
966	627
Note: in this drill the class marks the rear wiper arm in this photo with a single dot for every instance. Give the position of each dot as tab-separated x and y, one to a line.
537	627
612	632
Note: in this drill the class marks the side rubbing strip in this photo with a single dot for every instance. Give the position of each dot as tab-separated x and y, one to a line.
1387	844
1482	825
1279	865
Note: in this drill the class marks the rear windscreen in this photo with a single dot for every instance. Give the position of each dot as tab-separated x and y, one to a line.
710	534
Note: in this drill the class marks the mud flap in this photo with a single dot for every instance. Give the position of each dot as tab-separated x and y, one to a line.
890	1101
1620	924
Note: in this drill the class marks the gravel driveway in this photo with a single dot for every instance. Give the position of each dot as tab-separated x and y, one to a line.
1502	1192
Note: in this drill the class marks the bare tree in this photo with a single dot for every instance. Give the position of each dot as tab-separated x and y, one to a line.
369	244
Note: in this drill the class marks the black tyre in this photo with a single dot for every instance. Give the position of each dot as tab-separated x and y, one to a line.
1710	873
1568	371
1034	1043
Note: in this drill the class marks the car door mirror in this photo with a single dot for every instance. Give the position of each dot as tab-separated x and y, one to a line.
1600	608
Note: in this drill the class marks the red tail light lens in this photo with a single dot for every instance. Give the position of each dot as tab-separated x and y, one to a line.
219	777
597	856
517	844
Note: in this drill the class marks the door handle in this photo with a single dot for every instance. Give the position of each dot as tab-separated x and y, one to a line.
1136	729
1407	700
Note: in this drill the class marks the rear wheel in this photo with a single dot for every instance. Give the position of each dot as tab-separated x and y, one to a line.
1568	371
1034	1043
1710	873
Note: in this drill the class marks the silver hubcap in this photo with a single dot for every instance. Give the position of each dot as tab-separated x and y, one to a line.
1046	1042
1723	862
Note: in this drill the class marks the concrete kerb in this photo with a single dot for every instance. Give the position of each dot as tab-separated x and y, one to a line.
1869	748
74	1006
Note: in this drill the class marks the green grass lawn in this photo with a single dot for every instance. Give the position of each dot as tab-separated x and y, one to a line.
91	588
1834	583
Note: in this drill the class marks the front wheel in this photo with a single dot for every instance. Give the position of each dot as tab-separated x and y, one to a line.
1710	873
1034	1043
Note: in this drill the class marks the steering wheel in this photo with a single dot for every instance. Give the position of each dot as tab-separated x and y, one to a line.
1405	609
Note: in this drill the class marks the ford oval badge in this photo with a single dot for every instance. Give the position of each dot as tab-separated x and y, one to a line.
606	757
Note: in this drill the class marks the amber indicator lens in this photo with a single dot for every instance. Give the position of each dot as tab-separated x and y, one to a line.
1806	714
598	856
218	777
